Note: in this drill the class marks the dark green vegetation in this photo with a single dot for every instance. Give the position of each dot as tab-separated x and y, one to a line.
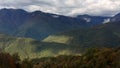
92	58
29	48
73	42
107	35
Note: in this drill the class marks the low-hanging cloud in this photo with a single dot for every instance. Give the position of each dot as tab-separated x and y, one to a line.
66	7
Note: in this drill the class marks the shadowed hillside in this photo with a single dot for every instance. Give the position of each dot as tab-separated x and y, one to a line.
38	25
107	35
30	48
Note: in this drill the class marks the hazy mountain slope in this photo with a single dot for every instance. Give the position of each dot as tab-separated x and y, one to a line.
39	25
94	20
116	18
11	20
107	35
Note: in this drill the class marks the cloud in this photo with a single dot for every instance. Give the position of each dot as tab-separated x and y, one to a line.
66	7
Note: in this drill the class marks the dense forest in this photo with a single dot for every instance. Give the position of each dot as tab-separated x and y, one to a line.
92	58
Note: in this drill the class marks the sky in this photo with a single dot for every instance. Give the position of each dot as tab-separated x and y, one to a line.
66	7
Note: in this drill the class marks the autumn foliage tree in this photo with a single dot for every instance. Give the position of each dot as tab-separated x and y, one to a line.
7	61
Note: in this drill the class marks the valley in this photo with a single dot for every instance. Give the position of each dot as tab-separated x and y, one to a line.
37	35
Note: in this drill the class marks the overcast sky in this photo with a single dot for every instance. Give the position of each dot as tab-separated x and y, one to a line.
66	7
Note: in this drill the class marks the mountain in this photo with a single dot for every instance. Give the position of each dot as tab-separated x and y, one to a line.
38	25
41	25
94	20
73	42
107	35
116	18
11	20
60	35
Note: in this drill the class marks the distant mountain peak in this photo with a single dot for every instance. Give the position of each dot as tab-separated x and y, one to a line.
94	20
116	18
85	15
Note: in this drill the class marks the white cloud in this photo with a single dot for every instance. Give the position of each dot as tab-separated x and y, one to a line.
106	21
32	7
66	7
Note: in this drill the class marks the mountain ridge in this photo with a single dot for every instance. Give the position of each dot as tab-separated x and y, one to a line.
38	25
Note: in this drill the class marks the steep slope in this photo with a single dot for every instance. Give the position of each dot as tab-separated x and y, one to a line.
37	25
41	25
11	20
107	35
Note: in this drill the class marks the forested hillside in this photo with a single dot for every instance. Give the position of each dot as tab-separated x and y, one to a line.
107	35
92	58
